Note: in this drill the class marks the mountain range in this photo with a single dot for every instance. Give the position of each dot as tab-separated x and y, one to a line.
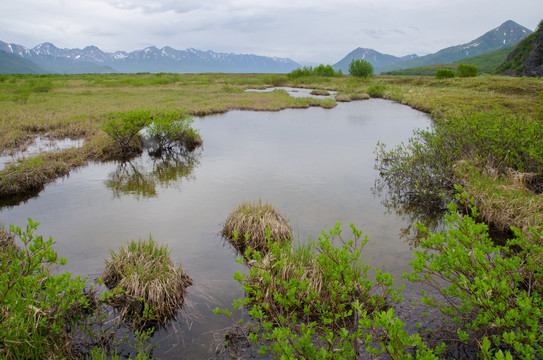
151	59
47	58
507	34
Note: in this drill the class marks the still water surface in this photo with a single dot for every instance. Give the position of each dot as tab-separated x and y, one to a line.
314	165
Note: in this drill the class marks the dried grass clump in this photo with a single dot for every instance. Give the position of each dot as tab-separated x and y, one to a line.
505	200
343	98
147	276
31	174
248	223
319	92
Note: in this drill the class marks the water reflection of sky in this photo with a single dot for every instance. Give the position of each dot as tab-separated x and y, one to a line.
40	144
314	165
296	92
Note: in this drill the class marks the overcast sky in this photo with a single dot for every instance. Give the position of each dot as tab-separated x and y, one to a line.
306	31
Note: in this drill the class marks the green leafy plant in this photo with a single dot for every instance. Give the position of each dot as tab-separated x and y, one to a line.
360	68
467	70
124	126
314	300
492	293
171	128
37	307
422	170
376	90
445	74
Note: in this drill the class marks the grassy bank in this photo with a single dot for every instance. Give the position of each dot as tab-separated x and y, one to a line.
74	106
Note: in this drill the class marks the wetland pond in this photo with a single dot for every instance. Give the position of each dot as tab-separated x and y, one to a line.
315	166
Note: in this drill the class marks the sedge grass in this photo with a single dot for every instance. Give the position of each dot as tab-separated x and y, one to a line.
147	278
504	200
248	225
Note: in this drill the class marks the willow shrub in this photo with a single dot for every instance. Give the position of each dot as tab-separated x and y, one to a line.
124	126
316	301
445	74
421	170
319	70
467	70
170	129
493	294
360	68
37	307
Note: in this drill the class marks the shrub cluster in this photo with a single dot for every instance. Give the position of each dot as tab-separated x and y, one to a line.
37	307
360	68
467	70
493	294
422	169
312	300
320	70
167	129
317	301
376	90
445	74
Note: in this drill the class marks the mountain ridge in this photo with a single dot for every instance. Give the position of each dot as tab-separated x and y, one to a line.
374	57
507	34
149	59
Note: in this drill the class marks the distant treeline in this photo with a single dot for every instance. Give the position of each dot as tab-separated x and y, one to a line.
320	70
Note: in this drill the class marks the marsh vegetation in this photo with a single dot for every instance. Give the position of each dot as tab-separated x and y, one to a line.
485	137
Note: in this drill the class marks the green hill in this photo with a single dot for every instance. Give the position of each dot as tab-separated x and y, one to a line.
13	64
486	63
506	35
527	57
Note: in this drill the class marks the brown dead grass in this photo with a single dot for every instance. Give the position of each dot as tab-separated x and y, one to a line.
504	200
248	223
146	275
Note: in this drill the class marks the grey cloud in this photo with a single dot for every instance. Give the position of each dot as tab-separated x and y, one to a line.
151	7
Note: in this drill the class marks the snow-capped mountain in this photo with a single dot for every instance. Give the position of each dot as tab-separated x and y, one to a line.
150	59
507	34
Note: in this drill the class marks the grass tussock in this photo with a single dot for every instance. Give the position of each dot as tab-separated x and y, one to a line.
504	199
31	174
248	224
319	92
148	287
